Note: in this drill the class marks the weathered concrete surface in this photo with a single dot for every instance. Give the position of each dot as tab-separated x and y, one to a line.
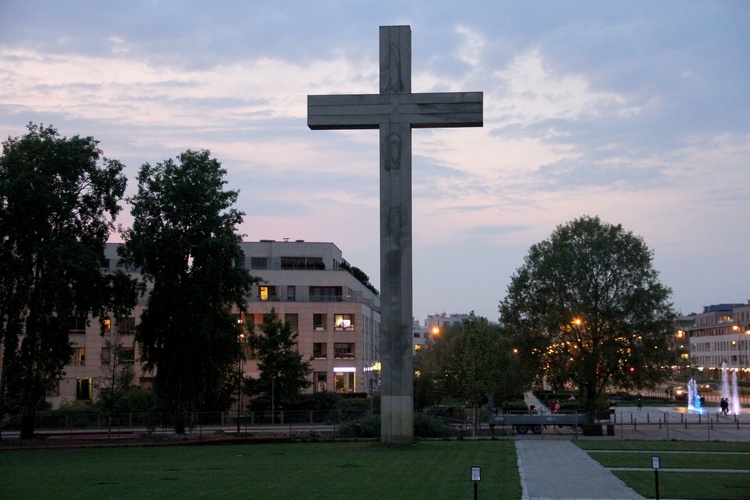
395	111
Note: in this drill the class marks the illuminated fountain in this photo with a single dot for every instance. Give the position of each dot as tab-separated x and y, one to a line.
731	394
694	399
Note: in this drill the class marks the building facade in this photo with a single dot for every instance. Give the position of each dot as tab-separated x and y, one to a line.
720	334
337	319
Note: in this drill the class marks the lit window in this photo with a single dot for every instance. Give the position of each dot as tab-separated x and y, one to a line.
79	355
343	322
83	389
267	293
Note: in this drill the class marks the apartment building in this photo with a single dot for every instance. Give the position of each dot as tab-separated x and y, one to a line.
336	316
721	334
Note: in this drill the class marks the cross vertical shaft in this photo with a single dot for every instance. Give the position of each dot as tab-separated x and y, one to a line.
395	111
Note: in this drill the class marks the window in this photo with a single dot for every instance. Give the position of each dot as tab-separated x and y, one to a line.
302	263
325	294
343	350
79	355
126	355
258	262
83	389
267	293
321	381
344	381
77	326
126	325
291	293
293	320
107	326
343	322
319	322
106	356
319	350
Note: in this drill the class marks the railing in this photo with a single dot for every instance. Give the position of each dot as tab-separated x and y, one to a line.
100	425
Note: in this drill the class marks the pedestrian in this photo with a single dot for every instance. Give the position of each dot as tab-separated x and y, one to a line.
639	400
724	406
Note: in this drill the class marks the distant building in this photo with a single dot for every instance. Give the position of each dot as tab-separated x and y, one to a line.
336	316
720	334
433	326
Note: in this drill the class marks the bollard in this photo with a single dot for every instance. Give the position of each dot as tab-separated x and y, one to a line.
648	418
635	424
659	422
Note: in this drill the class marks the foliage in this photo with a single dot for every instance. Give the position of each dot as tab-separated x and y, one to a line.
184	241
480	362
59	198
426	426
587	309
283	372
361	276
366	427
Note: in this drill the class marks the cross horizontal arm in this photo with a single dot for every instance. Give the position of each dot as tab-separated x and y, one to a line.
368	111
358	111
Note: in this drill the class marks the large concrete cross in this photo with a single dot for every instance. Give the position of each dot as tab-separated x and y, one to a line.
395	111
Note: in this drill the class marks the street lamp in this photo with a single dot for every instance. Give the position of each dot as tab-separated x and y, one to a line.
241	340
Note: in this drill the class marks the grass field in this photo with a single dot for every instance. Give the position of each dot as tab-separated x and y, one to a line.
435	469
679	454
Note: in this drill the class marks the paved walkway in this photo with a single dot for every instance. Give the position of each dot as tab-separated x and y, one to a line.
559	469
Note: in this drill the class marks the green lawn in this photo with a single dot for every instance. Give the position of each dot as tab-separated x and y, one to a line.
683	454
435	469
662	445
674	460
714	485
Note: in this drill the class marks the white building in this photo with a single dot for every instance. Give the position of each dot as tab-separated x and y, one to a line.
433	326
336	316
721	333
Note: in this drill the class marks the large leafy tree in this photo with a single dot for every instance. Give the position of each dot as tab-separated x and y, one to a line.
184	240
587	309
478	362
283	371
58	201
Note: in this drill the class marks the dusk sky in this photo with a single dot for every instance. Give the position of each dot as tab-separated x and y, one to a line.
637	112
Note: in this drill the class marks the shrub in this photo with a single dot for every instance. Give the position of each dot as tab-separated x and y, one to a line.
368	427
426	426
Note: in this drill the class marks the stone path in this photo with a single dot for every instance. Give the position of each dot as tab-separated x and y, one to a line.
559	469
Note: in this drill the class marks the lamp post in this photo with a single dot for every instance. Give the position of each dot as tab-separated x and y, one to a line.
241	340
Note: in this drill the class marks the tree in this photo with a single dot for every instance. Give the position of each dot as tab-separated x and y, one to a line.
283	372
587	309
58	202
185	243
479	362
